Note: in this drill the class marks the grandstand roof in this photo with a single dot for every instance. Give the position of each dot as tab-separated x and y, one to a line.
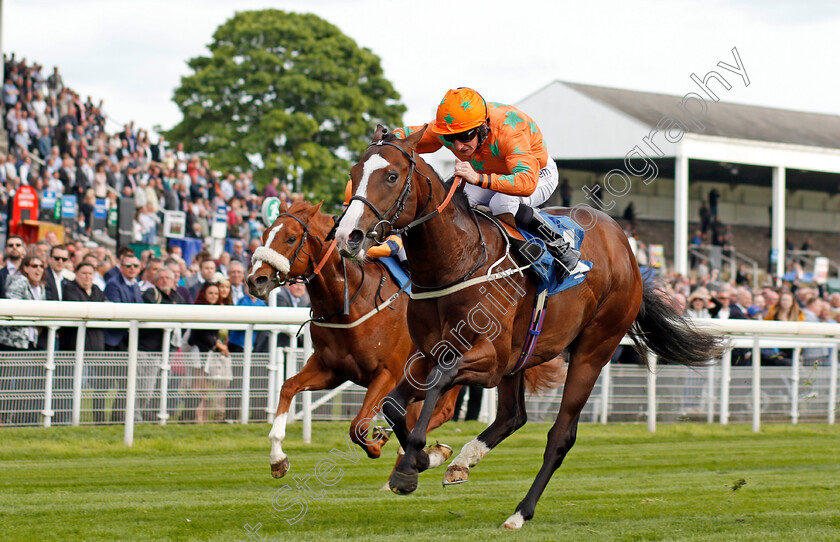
724	119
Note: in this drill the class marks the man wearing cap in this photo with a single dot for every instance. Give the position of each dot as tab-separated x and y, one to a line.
500	152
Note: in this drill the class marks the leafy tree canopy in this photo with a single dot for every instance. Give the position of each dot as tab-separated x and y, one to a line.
291	88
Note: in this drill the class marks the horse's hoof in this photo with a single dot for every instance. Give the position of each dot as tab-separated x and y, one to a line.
514	522
279	470
443	449
380	435
456	474
386	487
403	484
438	454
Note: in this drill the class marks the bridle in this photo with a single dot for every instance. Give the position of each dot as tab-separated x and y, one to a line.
317	268
379	236
399	205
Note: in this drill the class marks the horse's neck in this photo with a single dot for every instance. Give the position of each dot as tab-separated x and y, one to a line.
445	247
326	289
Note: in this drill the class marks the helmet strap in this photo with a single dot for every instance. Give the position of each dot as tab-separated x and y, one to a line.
483	132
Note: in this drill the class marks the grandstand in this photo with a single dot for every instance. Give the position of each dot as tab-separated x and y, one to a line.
757	159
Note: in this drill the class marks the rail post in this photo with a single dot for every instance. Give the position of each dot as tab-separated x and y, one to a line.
245	406
756	385
78	369
49	367
651	392
163	412
131	380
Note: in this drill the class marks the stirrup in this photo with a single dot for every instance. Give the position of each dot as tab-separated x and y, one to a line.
566	262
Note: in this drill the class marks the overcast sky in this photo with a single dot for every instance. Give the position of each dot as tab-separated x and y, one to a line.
133	53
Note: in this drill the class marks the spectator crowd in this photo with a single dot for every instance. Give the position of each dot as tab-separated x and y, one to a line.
74	272
58	143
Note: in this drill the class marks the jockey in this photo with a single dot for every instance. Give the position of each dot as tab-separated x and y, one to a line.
499	151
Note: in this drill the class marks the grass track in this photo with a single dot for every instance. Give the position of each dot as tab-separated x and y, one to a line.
618	483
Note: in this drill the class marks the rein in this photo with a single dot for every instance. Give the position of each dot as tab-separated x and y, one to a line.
461	284
318	267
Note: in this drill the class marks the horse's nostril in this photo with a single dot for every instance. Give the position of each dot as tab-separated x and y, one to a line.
355	238
257	282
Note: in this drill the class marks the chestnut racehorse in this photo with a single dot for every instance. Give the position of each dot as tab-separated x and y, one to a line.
371	353
471	319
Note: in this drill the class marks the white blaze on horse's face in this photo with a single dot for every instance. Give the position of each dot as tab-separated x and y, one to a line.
351	218
269	255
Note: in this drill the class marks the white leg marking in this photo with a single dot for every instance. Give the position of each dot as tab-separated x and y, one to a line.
515	521
356	208
471	454
276	436
436	458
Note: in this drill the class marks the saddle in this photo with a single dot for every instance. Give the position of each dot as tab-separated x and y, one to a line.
530	250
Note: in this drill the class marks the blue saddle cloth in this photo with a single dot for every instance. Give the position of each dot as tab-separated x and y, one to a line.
544	267
397	272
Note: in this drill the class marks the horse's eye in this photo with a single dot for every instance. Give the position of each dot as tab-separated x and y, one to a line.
291	239
392	178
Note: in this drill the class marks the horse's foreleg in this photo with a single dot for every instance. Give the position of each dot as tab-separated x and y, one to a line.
400	409
438	453
587	360
378	388
313	376
416	460
510	416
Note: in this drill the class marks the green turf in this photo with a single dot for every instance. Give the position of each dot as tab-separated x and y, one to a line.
618	483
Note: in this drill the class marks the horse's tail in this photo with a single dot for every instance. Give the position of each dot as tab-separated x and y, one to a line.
546	376
671	336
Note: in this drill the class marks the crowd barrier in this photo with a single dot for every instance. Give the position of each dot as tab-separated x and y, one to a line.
80	387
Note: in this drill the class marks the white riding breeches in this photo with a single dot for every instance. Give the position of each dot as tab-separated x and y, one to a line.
503	203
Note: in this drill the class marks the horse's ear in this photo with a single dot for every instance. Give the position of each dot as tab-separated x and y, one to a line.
410	143
283	207
315	209
379	133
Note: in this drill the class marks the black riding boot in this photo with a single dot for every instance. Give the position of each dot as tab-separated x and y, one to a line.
565	256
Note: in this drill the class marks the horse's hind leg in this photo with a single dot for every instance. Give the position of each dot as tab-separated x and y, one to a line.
371	406
443	410
314	376
510	416
587	360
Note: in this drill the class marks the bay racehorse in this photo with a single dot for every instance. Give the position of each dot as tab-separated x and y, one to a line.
366	346
472	317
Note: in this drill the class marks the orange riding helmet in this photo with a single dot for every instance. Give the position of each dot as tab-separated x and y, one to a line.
460	110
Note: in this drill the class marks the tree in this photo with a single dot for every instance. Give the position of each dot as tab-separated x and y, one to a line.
290	88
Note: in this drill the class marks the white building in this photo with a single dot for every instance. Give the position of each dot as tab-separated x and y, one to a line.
667	152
